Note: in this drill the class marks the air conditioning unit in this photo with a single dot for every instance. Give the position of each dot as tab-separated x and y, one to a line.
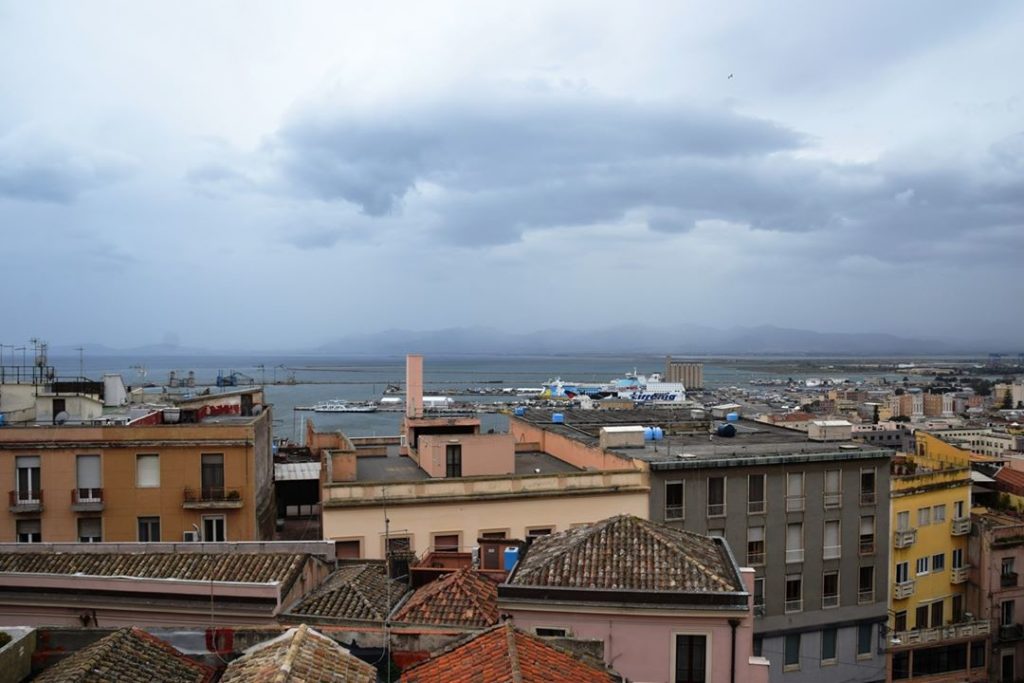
192	537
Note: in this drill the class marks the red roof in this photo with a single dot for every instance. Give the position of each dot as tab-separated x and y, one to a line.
1010	481
463	598
504	654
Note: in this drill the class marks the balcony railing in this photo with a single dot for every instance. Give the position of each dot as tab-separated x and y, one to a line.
755	559
903	589
867	545
967	629
958	574
794	503
1008	632
865	596
795	555
25	500
832	552
904	538
833	500
960	526
828	601
1008	580
87	500
673	512
795	605
759	606
755	507
867	497
212	497
716	509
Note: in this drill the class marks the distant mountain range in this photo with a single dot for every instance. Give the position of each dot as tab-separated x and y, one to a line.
685	339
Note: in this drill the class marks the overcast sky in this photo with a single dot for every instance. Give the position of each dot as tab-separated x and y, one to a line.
261	175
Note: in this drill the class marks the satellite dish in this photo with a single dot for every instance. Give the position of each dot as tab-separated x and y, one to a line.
61	417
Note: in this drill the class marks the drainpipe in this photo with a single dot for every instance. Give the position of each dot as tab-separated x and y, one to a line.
732	668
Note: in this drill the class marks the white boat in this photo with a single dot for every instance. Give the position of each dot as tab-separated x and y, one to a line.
336	406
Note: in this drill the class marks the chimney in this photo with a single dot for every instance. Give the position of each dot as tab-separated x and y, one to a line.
414	385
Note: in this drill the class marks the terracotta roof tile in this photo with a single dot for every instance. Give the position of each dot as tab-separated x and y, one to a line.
504	654
463	598
627	553
299	654
1010	480
128	655
247	568
358	592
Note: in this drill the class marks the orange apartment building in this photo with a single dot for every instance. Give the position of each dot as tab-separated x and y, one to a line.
202	470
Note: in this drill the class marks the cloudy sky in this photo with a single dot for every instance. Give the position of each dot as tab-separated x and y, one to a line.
261	175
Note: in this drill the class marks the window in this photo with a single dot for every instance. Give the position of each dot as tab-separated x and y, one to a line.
958	510
832	549
1006	668
755	545
921	616
540	531
673	500
939	514
453	460
716	496
937	609
922	565
867	486
938	562
791	661
830	590
214	529
399	544
213	476
978	654
1006	613
924	516
758	645
348	550
494	534
90	530
902	572
149	529
866	584
794	491
446	543
833	488
958	558
794	593
755	494
864	640
759	593
899	621
867	535
29	531
551	632
27	484
1006	566
691	659
958	607
147	471
903	520
828	646
87	468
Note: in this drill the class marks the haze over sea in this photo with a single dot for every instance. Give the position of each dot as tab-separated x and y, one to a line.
322	377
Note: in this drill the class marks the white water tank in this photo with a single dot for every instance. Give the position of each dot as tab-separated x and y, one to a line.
114	392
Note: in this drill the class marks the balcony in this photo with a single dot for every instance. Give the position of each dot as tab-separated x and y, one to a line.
755	559
794	605
903	590
1008	580
25	501
865	596
960	526
759	606
867	497
794	503
904	538
1010	632
828	601
755	507
87	500
958	575
215	498
961	631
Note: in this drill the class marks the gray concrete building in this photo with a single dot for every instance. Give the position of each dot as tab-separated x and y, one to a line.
811	518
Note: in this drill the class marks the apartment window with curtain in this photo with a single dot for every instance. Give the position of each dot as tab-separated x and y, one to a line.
755	494
903	520
795	542
88	479
716	497
28	487
832	546
833	489
794	492
755	546
924	516
674	500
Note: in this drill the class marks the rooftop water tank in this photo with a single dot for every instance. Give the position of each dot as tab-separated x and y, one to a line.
520	411
732	417
648	433
726	430
511	557
1	419
659	434
558	418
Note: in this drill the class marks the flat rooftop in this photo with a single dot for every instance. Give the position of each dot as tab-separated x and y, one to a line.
691	443
395	467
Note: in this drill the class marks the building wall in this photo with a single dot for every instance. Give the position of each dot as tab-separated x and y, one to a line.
470	518
180	448
482	454
992	541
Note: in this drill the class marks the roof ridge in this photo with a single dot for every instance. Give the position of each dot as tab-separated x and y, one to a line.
358	590
285	671
513	653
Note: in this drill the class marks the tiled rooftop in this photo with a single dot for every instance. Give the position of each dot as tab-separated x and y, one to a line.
360	592
301	655
628	553
281	568
463	598
1010	480
128	655
504	654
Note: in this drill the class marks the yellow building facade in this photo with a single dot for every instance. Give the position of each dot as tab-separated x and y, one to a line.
928	616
